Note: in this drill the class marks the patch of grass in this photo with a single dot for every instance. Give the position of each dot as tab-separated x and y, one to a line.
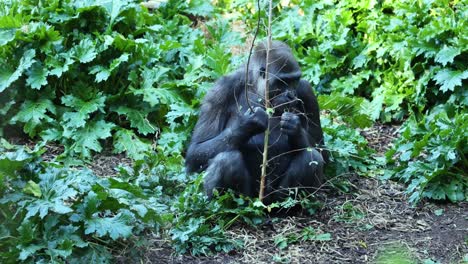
349	213
395	254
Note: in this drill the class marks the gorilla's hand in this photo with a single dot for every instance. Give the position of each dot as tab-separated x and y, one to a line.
283	101
255	121
290	124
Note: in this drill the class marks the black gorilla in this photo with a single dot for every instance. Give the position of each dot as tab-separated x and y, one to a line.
228	138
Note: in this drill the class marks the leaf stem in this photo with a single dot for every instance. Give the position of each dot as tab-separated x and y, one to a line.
267	105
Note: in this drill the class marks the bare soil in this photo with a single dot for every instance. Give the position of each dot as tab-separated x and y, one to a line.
373	224
381	225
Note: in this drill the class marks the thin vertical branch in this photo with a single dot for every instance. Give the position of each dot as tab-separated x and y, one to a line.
267	106
246	91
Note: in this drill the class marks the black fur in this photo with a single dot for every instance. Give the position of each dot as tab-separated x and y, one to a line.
228	138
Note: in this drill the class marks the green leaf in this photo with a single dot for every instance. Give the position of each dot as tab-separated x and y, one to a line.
447	54
7	22
126	141
83	109
449	79
172	142
118	226
219	61
153	75
155	96
113	7
7	35
33	188
38	76
177	111
59	64
103	73
200	8
33	114
85	51
87	138
51	134
29	251
138	119
7	77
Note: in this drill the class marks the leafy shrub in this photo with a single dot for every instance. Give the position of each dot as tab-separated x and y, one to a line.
431	156
54	213
201	223
404	56
82	72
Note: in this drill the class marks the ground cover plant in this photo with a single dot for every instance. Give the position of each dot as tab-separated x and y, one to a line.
112	76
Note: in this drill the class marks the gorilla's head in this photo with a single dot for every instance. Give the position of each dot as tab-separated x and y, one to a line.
284	72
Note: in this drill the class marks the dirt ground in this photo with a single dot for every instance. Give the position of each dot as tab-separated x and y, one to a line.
373	224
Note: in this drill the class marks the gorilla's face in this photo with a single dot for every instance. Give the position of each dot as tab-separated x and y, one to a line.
279	86
278	83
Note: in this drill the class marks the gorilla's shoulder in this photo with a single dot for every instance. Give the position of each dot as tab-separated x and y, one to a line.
225	89
304	88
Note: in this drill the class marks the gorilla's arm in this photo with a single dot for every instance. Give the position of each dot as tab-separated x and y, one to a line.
304	133
220	127
311	120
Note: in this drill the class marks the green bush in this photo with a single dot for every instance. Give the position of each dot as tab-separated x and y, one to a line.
52	213
431	156
407	58
82	72
89	74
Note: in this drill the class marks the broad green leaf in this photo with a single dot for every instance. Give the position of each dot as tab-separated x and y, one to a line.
447	54
102	73
7	35
85	51
29	251
113	7
33	114
51	134
118	226
448	79
7	77
173	141
155	96
359	61
37	76
59	64
153	75
126	141
200	8
177	111
82	108
33	188
87	138
138	119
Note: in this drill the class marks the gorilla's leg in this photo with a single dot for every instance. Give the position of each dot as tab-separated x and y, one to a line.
228	170
305	170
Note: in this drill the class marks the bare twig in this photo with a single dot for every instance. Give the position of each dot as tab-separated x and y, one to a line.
248	58
267	105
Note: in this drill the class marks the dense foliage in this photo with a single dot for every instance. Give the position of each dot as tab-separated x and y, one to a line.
111	73
406	59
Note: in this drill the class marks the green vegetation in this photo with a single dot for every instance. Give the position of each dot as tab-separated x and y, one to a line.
93	74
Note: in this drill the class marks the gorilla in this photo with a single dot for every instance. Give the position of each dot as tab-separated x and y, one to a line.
228	138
